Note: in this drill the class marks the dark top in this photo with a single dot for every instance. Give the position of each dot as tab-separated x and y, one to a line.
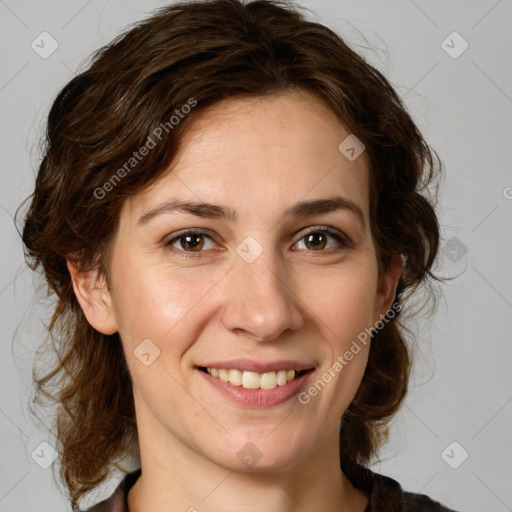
385	495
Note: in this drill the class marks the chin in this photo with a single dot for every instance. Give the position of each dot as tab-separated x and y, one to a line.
260	453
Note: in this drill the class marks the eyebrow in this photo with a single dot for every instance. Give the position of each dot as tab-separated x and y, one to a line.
214	211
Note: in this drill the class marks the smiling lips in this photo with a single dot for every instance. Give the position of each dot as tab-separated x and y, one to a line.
253	380
256	396
253	375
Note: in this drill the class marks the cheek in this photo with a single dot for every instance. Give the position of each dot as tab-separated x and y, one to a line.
343	303
154	304
167	310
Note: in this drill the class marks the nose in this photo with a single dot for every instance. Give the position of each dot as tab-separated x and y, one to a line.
259	302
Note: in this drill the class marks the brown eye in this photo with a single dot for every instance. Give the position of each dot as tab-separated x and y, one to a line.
318	239
189	242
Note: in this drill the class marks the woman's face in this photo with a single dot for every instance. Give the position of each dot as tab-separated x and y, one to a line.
257	280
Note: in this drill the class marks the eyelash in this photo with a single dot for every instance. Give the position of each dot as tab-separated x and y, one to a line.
341	238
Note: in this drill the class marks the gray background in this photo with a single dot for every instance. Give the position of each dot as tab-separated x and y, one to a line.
462	386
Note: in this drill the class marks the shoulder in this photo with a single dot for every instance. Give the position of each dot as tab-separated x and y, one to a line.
117	501
389	492
421	503
386	494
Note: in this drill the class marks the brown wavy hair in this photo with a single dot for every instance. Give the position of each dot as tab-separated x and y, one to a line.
207	51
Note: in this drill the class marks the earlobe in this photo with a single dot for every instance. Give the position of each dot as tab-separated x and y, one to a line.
93	295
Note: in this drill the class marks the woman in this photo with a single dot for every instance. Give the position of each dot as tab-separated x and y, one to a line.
231	209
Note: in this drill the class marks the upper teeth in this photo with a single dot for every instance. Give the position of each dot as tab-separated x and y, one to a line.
253	380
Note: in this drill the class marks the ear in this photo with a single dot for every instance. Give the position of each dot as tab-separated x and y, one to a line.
386	287
94	297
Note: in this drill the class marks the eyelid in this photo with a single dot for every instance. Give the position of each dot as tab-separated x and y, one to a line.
338	235
330	230
184	232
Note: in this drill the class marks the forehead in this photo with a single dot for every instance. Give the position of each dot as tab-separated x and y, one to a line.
260	155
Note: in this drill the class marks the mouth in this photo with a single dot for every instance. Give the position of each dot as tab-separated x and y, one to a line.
254	380
256	390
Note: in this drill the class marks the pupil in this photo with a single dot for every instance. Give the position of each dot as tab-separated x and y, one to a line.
189	241
314	236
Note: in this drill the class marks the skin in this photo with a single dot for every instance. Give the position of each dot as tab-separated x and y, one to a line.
297	300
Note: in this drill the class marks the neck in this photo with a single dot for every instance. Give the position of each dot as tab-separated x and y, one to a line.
176	478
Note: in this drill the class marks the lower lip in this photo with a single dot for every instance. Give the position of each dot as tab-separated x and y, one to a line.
258	398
